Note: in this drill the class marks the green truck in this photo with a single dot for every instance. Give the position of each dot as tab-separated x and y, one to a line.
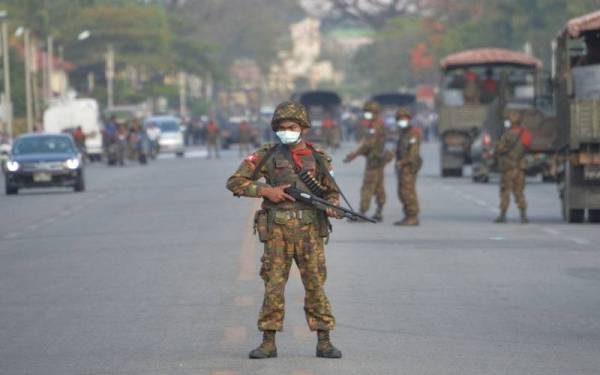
474	84
576	53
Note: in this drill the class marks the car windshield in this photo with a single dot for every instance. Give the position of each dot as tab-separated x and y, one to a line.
43	145
168	126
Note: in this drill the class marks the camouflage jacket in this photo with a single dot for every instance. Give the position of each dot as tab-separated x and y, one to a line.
408	149
373	147
511	148
277	171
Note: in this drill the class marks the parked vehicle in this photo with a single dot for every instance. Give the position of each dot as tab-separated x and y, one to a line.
171	134
577	95
67	115
321	105
43	160
465	100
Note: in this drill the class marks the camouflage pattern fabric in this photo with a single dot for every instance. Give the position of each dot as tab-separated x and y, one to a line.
407	191
290	111
290	238
512	181
294	241
408	164
373	149
373	185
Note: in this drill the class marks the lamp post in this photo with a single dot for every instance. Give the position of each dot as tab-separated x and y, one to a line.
7	110
110	74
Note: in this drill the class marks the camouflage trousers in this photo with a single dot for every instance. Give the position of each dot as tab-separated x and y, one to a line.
407	191
373	185
512	181
301	243
212	148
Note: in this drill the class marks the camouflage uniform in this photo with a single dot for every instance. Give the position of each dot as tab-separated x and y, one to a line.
408	164
291	231
212	139
510	157
245	138
372	147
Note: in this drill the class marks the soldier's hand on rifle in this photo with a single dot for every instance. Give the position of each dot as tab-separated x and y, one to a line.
333	213
276	194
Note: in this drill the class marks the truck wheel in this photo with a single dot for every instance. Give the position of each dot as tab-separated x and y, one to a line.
445	172
575	215
594	216
79	185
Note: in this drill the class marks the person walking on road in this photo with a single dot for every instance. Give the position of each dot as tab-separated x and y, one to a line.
290	230
510	158
213	134
408	164
372	147
245	138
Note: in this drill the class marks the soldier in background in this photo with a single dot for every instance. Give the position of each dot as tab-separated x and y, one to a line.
408	164
510	158
290	230
212	138
329	132
245	138
372	147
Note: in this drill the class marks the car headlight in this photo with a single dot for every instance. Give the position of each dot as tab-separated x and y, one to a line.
12	166
72	163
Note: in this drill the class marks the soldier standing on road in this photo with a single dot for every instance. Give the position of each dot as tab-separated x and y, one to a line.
290	230
329	133
510	158
372	147
245	138
212	139
408	164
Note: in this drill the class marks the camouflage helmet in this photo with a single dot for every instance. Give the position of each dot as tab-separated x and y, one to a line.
403	112
371	106
290	111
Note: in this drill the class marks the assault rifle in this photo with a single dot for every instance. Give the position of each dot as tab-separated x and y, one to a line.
322	204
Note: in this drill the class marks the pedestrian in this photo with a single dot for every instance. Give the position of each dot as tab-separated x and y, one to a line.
372	147
509	155
329	133
245	138
212	138
79	138
408	164
290	230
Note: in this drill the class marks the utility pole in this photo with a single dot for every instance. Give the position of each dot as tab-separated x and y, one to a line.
49	65
182	94
28	81
110	74
8	110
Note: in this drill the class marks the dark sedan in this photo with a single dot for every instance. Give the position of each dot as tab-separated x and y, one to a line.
44	160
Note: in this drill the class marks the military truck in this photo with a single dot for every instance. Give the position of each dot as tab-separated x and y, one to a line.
577	94
475	82
321	104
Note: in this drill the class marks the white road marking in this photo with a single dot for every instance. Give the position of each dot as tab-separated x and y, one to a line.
580	241
550	231
12	235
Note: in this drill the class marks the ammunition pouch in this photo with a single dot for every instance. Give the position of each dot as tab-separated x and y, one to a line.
261	225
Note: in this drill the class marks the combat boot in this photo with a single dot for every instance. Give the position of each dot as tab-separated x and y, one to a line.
408	221
524	219
325	348
378	217
267	348
501	218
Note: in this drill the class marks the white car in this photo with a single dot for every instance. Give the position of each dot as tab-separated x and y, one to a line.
171	135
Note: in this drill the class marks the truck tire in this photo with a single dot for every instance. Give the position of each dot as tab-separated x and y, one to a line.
575	215
11	190
594	216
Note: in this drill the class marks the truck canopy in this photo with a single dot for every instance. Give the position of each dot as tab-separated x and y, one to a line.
394	99
488	56
319	98
576	27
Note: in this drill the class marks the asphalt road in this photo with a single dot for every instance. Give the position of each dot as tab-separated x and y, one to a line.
153	270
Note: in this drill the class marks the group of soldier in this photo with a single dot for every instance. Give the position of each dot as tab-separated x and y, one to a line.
294	231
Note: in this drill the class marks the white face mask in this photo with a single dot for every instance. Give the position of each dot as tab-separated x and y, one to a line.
507	124
288	137
368	115
403	123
